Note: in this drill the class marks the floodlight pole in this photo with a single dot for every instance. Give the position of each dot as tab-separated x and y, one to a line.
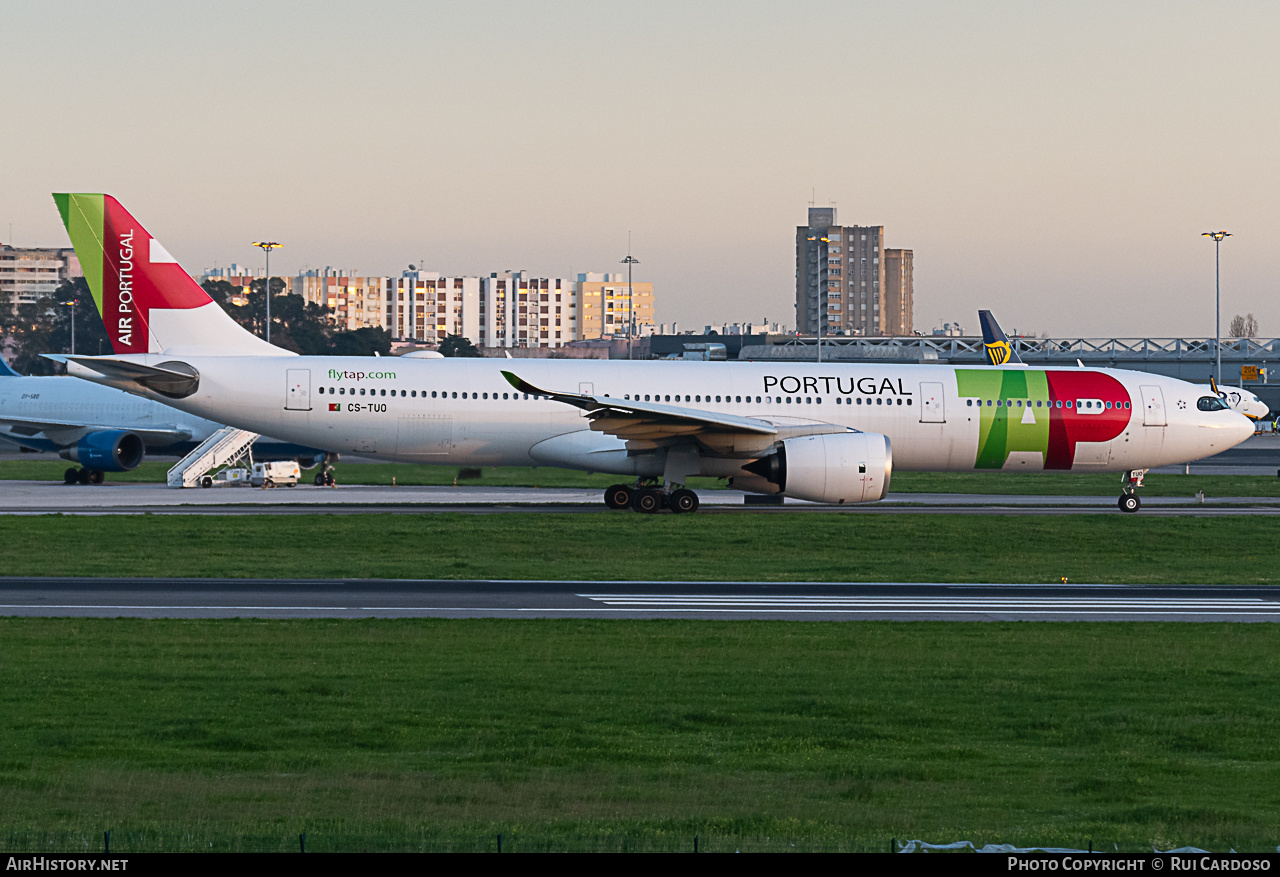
1217	298
267	247
629	261
72	303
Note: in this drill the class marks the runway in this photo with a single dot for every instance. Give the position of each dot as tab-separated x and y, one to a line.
42	497
809	601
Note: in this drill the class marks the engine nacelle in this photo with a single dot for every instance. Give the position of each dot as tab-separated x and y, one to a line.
841	468
107	451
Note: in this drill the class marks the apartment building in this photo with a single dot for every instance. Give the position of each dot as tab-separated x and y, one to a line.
517	310
29	273
424	306
606	305
899	293
354	302
839	276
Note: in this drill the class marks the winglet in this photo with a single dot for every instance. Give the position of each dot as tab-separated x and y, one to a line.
999	350
524	386
6	371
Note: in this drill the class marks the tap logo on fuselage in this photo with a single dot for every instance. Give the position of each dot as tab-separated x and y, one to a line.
1041	412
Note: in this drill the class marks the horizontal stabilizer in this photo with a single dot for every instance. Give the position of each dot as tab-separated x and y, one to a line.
173	379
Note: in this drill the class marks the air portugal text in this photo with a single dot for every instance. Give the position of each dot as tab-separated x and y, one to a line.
844	386
124	297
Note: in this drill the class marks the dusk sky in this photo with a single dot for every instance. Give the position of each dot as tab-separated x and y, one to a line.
1055	162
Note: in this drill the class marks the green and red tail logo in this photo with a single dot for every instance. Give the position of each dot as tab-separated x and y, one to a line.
128	272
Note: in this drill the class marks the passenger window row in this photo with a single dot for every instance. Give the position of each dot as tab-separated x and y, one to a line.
656	397
1058	403
879	400
413	394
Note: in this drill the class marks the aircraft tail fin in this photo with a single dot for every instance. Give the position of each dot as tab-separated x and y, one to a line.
999	350
148	303
6	371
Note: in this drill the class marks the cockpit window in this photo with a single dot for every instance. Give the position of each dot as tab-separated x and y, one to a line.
1212	403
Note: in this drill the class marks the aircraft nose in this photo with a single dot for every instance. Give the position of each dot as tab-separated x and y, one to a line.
1241	429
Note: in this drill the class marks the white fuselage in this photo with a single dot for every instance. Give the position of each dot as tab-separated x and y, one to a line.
954	418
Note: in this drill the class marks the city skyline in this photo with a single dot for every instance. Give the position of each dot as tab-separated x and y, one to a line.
1056	165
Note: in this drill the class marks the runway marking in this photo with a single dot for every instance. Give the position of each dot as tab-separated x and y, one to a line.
1045	605
712	604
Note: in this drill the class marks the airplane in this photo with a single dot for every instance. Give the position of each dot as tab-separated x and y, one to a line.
996	344
822	432
108	430
1000	352
1240	399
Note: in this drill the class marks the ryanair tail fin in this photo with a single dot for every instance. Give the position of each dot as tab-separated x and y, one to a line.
148	303
999	350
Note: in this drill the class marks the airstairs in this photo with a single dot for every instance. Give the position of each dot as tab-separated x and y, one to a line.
225	446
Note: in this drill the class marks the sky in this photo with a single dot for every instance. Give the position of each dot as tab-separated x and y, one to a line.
1054	162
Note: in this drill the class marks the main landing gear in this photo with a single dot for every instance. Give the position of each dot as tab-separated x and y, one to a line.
649	498
1129	501
83	476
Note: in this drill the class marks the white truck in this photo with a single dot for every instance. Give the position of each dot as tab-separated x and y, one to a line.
282	474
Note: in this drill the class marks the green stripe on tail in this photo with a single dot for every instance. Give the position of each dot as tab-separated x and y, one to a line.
82	214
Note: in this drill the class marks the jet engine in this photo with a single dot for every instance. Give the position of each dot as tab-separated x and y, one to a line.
107	451
840	468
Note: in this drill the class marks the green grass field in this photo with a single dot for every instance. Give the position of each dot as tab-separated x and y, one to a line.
1047	483
422	734
630	735
733	547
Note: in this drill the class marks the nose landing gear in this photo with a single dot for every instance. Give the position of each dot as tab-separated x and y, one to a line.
1129	501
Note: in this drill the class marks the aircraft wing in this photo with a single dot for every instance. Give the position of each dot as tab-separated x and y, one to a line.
26	428
650	424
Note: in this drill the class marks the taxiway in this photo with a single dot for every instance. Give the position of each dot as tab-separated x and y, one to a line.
803	601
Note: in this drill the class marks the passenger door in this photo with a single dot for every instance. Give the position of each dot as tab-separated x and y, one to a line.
297	395
1153	406
931	403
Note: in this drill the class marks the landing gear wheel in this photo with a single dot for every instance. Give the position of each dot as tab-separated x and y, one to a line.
329	480
206	481
683	501
97	476
618	496
1130	503
319	479
71	476
647	501
82	476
